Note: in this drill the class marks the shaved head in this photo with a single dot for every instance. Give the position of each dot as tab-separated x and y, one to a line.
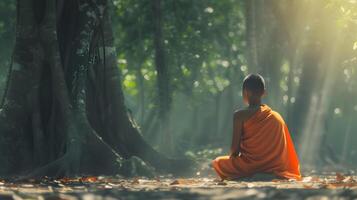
254	83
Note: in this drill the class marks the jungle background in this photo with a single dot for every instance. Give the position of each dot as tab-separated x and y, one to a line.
182	64
306	50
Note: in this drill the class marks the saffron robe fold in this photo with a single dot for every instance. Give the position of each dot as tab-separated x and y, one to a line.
266	147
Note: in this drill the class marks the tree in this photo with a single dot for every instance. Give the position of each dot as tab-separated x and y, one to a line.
163	77
252	35
64	106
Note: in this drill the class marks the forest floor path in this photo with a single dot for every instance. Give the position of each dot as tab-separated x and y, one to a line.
108	188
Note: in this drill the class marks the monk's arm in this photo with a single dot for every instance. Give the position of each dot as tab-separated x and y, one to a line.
237	133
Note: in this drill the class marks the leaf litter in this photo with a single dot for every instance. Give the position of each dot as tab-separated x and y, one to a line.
174	188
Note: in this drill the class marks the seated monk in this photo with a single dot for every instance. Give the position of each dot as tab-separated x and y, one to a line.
261	140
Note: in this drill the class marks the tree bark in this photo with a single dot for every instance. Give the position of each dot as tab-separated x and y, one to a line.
64	108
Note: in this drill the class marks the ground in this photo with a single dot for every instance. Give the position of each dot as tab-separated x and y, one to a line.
331	186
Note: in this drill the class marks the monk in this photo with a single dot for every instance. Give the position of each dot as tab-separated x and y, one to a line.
261	140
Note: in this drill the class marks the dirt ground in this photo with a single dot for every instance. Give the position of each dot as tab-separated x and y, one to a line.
107	188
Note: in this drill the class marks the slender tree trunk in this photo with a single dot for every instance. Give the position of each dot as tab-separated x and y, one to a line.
141	96
309	79
163	77
217	110
251	36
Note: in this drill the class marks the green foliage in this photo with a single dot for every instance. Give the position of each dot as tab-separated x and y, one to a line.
208	50
209	154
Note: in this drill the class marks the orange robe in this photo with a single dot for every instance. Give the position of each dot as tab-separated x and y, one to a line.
265	147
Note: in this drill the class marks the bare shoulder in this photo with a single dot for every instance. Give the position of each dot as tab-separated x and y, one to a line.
243	114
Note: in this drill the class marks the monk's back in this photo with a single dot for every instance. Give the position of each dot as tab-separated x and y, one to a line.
263	123
261	141
262	135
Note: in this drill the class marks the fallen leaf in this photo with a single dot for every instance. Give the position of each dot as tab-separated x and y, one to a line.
308	186
217	180
175	182
339	177
68	180
307	179
61	185
135	181
339	185
315	179
349	180
250	185
183	182
328	186
90	179
221	183
27	185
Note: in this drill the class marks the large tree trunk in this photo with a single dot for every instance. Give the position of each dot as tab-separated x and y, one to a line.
64	109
